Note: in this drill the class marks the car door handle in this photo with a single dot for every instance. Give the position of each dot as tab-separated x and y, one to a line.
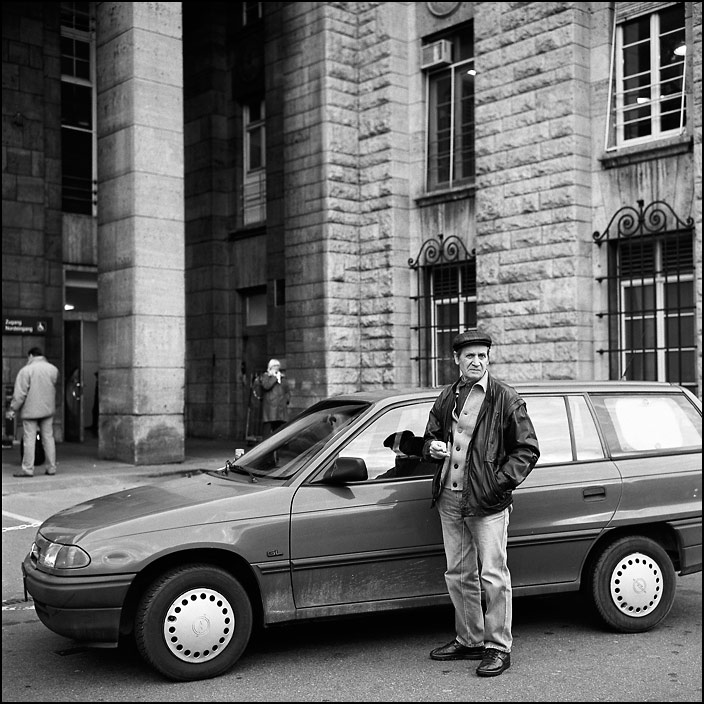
594	493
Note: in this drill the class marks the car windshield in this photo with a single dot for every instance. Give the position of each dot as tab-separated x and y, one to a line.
285	452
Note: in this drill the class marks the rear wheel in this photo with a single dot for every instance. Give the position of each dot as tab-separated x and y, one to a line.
633	584
193	622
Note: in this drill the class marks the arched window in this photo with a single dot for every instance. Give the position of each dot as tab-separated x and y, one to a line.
446	304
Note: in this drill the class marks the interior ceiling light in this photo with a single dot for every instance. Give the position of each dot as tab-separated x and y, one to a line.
681	49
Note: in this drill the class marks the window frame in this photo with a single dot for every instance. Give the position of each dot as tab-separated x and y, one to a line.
617	108
460	130
86	37
661	254
254	191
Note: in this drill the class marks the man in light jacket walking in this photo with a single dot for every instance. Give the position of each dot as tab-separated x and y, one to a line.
35	399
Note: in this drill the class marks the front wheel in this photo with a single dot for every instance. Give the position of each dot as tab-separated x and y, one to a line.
633	584
193	622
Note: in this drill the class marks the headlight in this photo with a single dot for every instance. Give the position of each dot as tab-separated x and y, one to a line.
46	553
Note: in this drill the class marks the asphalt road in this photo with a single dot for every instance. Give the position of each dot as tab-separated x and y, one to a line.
561	653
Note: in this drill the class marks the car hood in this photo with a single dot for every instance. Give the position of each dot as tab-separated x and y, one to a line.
176	503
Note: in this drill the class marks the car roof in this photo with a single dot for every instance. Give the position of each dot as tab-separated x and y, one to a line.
551	386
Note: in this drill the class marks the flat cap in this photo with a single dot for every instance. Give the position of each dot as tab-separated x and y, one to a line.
471	337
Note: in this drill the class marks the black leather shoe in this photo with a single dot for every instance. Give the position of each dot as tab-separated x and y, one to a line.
494	663
457	651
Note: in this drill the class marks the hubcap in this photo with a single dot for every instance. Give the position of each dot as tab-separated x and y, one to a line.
636	585
199	625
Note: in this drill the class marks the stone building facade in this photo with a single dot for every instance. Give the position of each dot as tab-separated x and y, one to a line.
272	181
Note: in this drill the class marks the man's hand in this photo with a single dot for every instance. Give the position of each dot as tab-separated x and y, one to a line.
438	450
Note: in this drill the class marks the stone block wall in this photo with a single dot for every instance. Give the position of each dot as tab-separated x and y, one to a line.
534	275
32	277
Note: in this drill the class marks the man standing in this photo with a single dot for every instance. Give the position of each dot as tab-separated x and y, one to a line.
276	395
35	397
480	430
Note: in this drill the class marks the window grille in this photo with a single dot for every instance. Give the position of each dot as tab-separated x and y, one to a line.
446	304
651	303
78	109
647	98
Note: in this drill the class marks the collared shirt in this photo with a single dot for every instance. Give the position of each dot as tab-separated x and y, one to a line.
468	401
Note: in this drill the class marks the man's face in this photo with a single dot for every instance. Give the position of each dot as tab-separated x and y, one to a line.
472	361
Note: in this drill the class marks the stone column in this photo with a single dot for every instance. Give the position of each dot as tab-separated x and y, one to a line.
141	283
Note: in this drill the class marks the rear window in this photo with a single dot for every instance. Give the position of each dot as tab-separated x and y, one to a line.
648	422
565	429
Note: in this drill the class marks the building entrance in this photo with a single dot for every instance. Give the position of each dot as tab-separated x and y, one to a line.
81	375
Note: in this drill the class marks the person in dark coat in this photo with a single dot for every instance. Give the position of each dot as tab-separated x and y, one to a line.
276	397
484	443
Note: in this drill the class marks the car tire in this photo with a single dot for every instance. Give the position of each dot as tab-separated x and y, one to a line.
633	584
193	622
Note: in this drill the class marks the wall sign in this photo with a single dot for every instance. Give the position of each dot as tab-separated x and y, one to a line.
26	326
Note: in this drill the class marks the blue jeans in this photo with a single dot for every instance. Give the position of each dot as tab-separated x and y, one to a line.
472	541
46	428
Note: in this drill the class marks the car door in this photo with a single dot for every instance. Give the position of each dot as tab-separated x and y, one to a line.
373	540
568	499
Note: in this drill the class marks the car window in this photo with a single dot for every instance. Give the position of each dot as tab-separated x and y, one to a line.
586	437
549	416
384	463
648	422
284	453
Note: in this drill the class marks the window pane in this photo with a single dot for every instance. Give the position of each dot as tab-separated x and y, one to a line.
640	334
636	30
470	314
76	105
382	461
447	315
648	422
636	60
679	294
464	124
680	367
77	171
586	437
641	367
638	299
549	416
256	139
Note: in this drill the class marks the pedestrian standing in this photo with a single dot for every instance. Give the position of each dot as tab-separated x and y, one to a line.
34	398
481	435
276	397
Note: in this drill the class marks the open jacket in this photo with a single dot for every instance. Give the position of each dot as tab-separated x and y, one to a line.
502	451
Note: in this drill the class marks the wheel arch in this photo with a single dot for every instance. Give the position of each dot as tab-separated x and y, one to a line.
661	533
230	562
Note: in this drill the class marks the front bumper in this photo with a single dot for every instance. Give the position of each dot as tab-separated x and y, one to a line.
84	609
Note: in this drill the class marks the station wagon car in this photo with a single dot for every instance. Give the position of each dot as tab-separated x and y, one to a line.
328	517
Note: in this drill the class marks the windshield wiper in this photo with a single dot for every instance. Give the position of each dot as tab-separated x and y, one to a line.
231	466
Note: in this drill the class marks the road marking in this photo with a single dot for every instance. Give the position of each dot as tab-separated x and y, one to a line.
22	526
17	517
17	605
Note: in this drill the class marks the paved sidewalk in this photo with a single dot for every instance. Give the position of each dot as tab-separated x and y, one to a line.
80	460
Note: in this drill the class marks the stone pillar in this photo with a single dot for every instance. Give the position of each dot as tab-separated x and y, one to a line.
141	283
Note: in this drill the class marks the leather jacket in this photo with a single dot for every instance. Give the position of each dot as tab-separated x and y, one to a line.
502	451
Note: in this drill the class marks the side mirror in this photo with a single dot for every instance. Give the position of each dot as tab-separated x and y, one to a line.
346	469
